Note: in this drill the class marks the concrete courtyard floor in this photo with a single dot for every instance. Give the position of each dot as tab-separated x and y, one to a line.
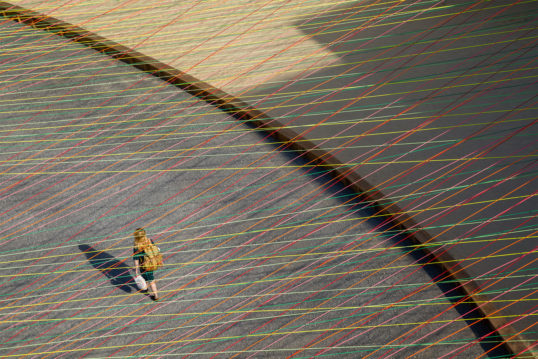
265	255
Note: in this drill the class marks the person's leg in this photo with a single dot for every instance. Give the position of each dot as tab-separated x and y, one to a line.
153	286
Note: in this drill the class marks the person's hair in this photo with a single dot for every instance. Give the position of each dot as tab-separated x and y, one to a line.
140	239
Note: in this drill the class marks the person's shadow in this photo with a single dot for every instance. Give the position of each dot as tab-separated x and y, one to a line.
116	271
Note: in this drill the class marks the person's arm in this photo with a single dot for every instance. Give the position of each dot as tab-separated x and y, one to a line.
137	261
137	267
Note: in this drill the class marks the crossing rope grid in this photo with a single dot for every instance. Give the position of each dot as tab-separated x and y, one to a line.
427	108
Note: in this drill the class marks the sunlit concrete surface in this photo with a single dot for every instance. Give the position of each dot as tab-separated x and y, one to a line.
235	45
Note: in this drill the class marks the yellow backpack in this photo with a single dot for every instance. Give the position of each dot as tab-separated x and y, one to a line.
153	258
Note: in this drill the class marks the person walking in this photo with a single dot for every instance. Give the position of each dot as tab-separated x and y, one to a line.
141	242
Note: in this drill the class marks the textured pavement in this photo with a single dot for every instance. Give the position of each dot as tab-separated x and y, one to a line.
265	255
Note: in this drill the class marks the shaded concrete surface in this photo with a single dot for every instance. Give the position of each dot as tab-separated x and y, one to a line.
264	256
442	120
